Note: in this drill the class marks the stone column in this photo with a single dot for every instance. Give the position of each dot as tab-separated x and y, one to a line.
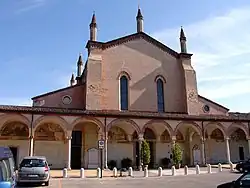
106	151
228	149
31	142
31	149
140	138
248	140
69	152
203	161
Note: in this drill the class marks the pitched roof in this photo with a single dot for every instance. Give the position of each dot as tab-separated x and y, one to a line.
120	114
135	36
206	99
55	91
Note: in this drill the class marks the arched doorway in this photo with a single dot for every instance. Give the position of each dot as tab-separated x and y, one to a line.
84	143
49	141
238	145
150	137
16	136
188	134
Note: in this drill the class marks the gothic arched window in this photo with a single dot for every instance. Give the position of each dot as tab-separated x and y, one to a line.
124	93
160	96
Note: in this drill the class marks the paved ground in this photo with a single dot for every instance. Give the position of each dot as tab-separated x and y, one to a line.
109	173
190	181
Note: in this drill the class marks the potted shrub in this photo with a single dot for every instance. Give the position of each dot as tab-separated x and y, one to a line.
145	153
111	164
177	155
126	163
165	162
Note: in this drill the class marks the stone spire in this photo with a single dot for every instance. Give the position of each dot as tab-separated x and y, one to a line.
79	65
183	41
139	20
72	80
93	28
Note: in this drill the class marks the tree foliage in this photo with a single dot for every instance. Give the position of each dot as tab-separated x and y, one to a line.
176	154
145	152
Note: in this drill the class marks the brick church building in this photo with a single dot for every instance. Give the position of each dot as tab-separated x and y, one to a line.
130	89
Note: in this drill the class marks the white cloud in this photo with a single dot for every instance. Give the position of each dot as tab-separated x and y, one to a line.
27	5
221	49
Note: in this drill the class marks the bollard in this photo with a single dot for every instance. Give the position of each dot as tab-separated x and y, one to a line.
114	172
219	167
65	173
82	173
209	170
130	171
173	171
160	171
98	172
231	167
145	172
185	170
197	167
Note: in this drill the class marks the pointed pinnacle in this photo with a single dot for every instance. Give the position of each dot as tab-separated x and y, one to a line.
93	21
79	62
72	77
182	34
139	14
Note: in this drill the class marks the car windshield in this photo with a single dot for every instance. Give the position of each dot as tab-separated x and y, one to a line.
33	163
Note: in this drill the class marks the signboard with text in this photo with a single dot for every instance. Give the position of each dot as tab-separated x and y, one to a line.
101	144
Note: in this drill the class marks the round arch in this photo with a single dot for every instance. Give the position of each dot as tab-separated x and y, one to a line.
194	125
217	126
8	118
87	120
234	126
164	123
51	119
131	122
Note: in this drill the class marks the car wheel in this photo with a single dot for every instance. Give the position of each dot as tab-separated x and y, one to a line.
47	183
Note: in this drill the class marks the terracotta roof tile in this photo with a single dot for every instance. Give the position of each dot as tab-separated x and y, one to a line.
121	114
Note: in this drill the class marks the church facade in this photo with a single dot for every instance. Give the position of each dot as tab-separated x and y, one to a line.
131	89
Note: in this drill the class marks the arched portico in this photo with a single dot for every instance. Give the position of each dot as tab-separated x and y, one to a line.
189	136
238	142
51	134
83	149
121	142
215	135
15	134
159	134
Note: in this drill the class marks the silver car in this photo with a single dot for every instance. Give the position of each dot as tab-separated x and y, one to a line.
33	170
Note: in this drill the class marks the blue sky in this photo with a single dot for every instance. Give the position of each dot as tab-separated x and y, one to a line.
41	39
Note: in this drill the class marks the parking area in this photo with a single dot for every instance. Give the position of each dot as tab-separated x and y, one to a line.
190	181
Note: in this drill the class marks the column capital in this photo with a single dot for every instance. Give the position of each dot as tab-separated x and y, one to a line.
68	137
227	138
203	140
140	137
173	138
31	137
130	137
